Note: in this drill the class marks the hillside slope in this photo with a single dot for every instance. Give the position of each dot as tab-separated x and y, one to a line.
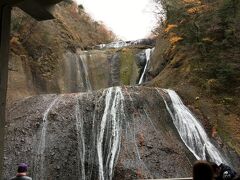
38	48
198	54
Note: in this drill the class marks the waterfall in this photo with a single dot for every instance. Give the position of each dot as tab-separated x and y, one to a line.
121	44
148	54
116	133
113	114
86	80
39	172
75	73
191	131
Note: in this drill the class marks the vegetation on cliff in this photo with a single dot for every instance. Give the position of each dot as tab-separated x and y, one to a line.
72	25
197	54
38	48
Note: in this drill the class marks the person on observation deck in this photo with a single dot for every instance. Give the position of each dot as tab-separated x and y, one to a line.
202	170
226	172
22	172
223	171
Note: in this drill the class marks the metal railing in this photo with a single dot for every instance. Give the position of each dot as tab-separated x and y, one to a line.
187	178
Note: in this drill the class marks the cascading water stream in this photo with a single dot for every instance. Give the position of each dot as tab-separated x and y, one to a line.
148	54
76	73
40	158
190	130
83	60
116	133
113	114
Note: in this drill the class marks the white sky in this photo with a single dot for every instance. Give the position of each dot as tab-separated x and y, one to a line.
129	19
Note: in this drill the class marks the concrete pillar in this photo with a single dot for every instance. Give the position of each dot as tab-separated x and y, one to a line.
5	13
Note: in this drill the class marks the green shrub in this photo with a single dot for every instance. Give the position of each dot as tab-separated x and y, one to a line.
80	6
229	8
225	74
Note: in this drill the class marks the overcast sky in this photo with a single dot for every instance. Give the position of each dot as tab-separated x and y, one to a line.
129	19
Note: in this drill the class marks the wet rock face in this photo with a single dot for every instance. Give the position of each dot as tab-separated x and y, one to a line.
117	133
141	58
84	71
75	70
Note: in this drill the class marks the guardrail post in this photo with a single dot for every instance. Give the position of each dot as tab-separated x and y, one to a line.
5	19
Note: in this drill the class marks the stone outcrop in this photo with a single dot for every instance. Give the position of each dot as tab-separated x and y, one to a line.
119	133
38	48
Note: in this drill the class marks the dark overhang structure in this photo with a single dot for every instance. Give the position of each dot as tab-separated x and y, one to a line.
38	9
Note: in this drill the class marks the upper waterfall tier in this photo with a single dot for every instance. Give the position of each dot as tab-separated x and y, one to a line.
77	70
115	133
121	44
84	71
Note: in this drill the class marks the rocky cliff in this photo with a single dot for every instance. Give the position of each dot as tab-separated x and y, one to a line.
38	49
95	69
197	54
124	133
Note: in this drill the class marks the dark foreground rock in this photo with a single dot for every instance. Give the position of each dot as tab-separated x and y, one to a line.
117	133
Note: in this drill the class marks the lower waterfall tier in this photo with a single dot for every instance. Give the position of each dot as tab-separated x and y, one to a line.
116	133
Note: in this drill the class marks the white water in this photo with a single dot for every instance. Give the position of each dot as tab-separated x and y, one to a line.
40	159
190	130
81	142
117	44
83	58
113	113
148	54
121	44
76	72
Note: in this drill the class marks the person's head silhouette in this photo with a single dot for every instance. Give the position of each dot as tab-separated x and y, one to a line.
202	170
22	172
22	168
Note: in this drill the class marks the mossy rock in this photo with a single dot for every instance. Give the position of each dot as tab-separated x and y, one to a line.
128	66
